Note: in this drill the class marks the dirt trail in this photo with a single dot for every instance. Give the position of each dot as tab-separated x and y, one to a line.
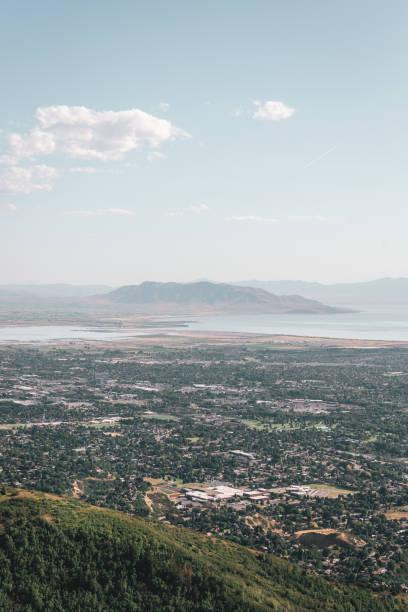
76	489
148	502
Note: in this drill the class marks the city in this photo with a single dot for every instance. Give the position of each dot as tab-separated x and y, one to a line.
299	452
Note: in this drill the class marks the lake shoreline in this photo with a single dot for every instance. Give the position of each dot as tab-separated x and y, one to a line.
178	338
375	326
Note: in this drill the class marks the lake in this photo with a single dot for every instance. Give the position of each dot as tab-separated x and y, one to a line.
371	323
53	333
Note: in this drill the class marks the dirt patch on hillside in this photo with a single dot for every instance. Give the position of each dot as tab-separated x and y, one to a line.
397	515
47	517
17	493
322	538
264	522
78	489
148	502
153	481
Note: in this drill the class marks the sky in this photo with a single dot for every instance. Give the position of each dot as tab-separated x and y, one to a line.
225	139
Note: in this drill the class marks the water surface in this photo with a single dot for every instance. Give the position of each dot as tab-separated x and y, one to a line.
370	323
55	333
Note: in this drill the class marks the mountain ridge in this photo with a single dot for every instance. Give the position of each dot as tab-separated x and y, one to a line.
52	290
205	296
385	290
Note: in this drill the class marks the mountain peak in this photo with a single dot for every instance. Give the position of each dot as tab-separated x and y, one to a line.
208	297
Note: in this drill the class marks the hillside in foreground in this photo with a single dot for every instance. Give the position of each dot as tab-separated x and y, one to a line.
204	296
57	554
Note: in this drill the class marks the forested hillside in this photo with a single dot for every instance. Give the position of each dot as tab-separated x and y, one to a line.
59	555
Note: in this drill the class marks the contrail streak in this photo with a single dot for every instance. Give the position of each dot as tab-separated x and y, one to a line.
316	159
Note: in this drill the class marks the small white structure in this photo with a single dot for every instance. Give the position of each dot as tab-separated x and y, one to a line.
197	495
243	455
223	492
257	494
298	489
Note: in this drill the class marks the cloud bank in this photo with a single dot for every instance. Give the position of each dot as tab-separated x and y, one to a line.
83	133
19	179
80	133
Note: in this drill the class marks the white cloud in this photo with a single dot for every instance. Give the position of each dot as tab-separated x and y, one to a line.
238	112
155	155
19	179
272	110
251	219
198	208
82	133
7	209
164	106
83	169
36	143
195	208
307	218
100	212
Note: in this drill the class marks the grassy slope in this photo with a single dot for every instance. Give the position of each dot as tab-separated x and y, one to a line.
59	554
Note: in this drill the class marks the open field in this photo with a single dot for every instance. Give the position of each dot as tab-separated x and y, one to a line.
159	417
397	514
266	425
329	490
235	338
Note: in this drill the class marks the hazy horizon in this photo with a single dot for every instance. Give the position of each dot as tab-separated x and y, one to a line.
196	280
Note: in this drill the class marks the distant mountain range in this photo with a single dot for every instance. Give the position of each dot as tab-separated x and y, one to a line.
286	293
380	291
54	290
208	297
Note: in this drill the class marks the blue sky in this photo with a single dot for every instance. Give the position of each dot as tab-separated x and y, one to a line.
220	139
